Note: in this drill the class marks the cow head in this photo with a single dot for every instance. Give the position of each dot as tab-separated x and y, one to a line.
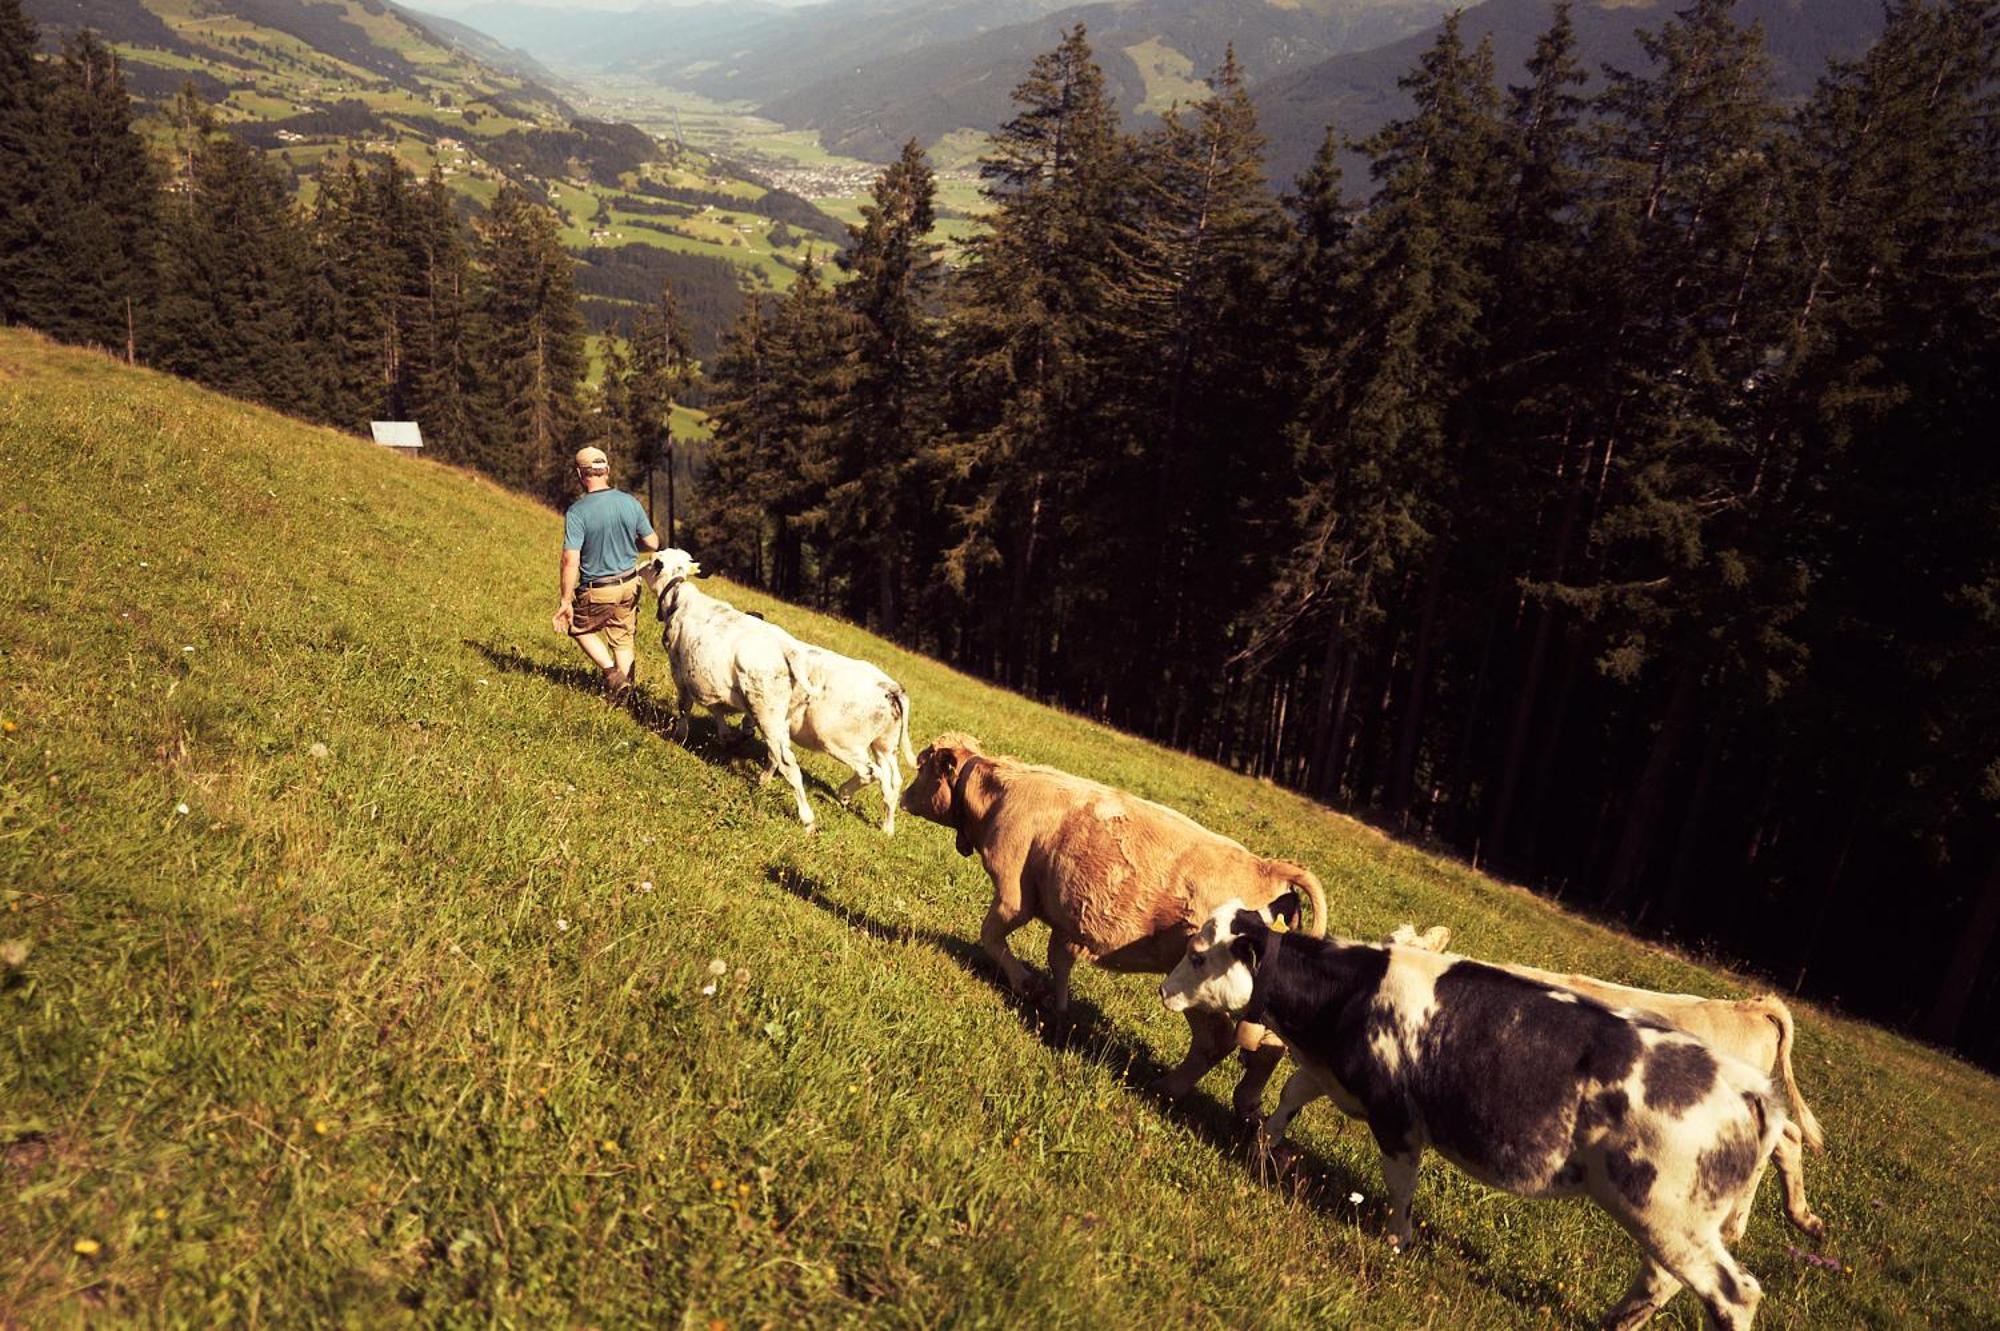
934	792
1219	972
668	569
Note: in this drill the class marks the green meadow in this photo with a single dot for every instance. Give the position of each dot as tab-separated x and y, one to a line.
359	966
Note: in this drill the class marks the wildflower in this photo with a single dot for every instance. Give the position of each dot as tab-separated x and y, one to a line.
318	750
742	975
608	1146
718	968
562	925
86	1247
482	683
708	990
181	808
1356	1198
716	1185
159	1213
743	1190
9	727
319	1127
185	650
646	885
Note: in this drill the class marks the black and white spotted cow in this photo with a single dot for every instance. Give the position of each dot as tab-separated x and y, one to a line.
1524	1086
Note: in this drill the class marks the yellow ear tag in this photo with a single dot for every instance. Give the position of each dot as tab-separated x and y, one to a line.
1278	925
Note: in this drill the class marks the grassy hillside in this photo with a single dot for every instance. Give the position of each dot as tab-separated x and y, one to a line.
357	966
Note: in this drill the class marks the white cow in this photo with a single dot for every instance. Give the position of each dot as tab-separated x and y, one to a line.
860	716
795	693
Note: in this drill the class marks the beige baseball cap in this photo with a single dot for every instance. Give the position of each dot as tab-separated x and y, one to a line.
592	459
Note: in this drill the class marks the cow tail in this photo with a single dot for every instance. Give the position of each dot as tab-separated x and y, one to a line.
1301	877
1781	1017
802	672
900	700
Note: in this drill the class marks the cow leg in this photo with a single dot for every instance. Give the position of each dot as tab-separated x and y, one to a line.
1210	1035
778	745
1399	1173
1646	1295
1301	1089
890	778
1789	1156
1062	959
1003	917
1259	1063
1690	1248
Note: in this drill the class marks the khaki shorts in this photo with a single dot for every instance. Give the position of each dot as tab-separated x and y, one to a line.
608	612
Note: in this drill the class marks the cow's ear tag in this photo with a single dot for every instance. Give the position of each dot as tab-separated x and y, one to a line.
1280	925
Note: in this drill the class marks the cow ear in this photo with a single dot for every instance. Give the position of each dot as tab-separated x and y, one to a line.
1250	926
947	762
1284	911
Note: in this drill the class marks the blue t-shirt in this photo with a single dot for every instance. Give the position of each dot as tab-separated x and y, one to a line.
606	526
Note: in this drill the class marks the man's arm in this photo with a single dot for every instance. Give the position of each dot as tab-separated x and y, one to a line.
650	541
572	562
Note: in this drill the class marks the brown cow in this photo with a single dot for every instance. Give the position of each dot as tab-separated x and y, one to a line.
1756	1030
1119	880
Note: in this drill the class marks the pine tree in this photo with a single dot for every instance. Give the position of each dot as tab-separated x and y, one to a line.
531	344
233	280
1382	436
99	215
1030	333
894	277
359	272
440	379
1195	308
23	178
662	370
1683	573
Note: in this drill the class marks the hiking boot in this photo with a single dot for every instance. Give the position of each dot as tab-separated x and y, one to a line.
617	687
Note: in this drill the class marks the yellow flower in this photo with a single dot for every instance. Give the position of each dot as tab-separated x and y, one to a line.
608	1146
9	727
86	1247
319	1127
716	1185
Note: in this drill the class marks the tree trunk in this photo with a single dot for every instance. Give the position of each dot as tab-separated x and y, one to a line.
1650	792
1968	958
1328	711
1674	900
1403	770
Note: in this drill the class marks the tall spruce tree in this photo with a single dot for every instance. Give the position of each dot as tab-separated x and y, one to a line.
530	341
893	279
23	178
439	376
661	370
1680	580
233	280
1195	307
1382	436
1030	332
99	202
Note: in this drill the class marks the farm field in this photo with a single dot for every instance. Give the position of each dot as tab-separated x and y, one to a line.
361	966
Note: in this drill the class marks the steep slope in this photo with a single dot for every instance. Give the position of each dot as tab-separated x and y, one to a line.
359	966
1154	52
317	84
1357	92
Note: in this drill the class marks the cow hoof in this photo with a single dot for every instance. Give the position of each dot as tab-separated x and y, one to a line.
1811	1225
1165	1087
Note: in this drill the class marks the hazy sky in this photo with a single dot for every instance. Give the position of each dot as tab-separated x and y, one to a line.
460	6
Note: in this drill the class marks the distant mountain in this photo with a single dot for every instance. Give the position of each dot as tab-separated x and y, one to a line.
1154	53
575	40
484	49
1357	92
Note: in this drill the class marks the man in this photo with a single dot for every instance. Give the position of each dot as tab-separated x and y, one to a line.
603	532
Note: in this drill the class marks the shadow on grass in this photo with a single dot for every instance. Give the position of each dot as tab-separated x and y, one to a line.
719	745
1310	1178
1086	1029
